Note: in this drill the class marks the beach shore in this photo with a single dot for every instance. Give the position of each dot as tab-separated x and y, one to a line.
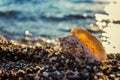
40	59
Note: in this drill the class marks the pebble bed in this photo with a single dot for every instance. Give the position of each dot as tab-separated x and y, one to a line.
39	60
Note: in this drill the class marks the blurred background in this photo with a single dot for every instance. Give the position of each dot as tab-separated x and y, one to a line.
54	18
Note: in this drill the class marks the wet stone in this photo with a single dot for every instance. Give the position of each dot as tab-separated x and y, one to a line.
45	74
36	77
20	72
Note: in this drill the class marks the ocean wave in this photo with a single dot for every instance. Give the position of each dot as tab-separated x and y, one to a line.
17	15
23	16
49	17
89	1
66	17
8	13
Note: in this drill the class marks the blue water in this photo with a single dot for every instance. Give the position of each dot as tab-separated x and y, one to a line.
48	18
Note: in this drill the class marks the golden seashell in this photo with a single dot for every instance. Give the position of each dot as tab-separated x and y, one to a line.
72	45
92	43
80	41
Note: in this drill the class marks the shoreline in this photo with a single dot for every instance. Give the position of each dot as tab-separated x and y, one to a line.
43	61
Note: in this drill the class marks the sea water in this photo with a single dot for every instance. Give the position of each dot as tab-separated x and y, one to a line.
47	18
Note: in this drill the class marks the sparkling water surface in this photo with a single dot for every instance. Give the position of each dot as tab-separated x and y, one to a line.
47	18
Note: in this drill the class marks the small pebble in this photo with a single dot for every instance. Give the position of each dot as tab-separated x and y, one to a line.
36	77
45	74
112	75
18	62
57	72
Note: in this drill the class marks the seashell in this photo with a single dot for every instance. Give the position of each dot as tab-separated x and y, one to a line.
72	45
83	42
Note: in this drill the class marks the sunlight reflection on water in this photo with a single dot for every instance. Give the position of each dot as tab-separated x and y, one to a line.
113	40
110	24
